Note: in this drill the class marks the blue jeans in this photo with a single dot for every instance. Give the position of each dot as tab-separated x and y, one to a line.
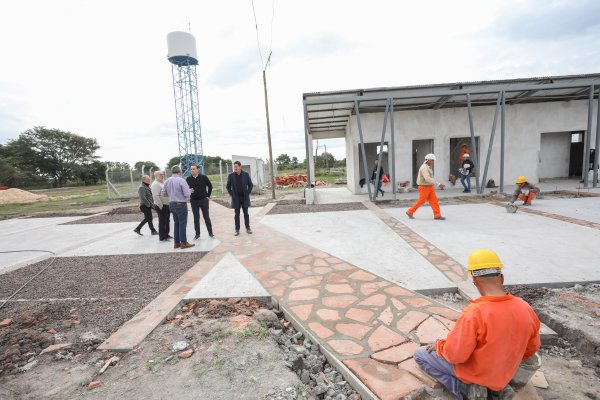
180	213
467	178
439	369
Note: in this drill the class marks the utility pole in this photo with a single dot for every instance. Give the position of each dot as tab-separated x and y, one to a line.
271	169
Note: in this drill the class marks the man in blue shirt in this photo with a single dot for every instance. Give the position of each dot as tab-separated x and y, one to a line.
178	191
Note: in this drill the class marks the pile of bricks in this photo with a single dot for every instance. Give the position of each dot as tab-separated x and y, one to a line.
294	181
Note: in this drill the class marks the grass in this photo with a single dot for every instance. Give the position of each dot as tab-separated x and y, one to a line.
253	331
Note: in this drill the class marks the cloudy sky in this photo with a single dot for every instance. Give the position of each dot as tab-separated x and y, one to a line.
99	68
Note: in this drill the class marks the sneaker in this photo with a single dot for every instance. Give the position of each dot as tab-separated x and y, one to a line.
177	245
197	236
186	245
440	218
154	232
473	391
249	231
237	233
466	191
410	215
138	232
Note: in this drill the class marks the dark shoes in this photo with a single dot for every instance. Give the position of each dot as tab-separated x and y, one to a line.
155	232
138	232
177	245
186	245
440	218
473	392
249	231
197	236
211	235
410	215
237	233
466	191
169	237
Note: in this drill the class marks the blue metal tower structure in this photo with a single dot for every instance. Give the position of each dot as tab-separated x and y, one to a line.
183	59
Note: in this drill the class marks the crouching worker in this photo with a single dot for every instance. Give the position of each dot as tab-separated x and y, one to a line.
491	338
525	191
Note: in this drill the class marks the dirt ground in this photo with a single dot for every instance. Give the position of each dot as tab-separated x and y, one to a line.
228	356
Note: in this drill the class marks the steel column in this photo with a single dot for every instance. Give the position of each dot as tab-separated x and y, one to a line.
489	152
587	138
502	135
306	139
473	144
385	115
597	152
362	148
393	145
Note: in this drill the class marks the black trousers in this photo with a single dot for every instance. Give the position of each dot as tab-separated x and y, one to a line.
197	206
147	218
164	221
237	217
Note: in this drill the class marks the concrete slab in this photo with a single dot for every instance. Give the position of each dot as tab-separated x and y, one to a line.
585	208
362	239
229	278
534	249
127	242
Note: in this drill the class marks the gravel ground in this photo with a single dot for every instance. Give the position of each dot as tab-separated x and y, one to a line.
311	208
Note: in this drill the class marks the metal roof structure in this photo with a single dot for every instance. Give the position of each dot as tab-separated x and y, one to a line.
329	112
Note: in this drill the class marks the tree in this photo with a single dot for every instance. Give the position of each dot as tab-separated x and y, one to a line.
325	160
294	162
211	164
51	153
118	165
92	173
283	161
147	165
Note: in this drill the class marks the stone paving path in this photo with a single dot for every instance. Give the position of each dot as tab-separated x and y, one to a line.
453	270
372	325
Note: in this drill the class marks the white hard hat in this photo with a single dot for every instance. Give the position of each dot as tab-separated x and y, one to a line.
430	156
466	155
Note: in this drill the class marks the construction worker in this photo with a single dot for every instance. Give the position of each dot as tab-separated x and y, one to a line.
525	191
426	183
491	338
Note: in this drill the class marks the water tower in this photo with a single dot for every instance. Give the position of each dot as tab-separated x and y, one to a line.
183	58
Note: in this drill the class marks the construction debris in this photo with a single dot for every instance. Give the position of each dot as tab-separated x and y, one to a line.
295	181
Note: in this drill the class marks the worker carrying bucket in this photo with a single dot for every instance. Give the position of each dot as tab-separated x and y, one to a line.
489	341
525	191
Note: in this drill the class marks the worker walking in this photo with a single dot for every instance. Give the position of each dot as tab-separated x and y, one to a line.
491	338
426	183
465	173
525	191
374	177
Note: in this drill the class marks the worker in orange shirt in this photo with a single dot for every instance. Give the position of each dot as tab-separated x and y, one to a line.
464	149
426	184
491	338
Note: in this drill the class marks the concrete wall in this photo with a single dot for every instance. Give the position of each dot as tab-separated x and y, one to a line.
554	155
255	167
524	126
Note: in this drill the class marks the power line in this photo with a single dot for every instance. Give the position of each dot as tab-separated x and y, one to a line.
272	19
256	28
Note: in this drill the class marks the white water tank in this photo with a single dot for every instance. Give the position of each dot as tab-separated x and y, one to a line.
182	48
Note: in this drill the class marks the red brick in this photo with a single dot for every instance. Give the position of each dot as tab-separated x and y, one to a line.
328	315
417	302
303	311
5	322
359	315
375	300
385	381
342	288
52	331
396	354
356	331
397	291
383	338
410	321
411	366
320	330
241	321
342	301
445	312
361	275
94	385
431	330
346	347
186	353
303	294
54	347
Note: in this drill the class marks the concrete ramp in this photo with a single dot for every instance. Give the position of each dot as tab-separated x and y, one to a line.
229	278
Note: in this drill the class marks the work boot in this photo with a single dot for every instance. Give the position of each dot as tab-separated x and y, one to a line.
440	218
505	394
248	230
186	245
237	233
410	215
177	245
138	232
473	391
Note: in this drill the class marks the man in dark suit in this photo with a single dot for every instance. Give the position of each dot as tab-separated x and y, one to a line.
239	186
201	189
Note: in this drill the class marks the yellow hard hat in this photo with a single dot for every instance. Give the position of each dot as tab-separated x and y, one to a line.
521	179
484	262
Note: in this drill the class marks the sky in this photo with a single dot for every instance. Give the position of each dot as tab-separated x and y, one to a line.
99	68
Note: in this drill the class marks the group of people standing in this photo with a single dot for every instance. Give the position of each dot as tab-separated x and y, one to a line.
171	197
